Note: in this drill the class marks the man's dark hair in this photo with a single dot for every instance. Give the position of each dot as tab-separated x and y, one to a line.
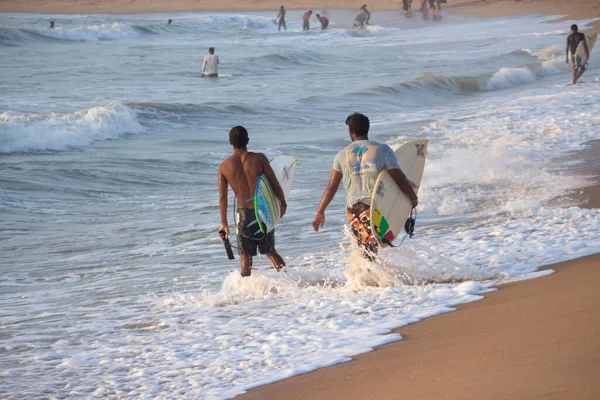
238	137
211	50
574	28
359	124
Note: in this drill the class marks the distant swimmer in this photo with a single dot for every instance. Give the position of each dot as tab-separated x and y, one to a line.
573	41
169	21
241	171
324	22
305	19
209	67
51	24
363	17
357	167
281	18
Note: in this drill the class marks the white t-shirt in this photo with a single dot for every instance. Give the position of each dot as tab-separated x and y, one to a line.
360	163
210	64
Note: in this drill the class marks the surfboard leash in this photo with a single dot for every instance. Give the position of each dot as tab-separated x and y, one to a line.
409	227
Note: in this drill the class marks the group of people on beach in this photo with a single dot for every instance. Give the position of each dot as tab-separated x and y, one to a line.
356	167
360	20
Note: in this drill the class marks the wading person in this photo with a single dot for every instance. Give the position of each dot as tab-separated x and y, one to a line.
241	171
357	167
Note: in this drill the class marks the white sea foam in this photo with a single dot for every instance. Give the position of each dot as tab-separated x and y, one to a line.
38	132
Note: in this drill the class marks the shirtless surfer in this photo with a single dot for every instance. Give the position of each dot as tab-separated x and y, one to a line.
573	41
281	18
363	17
305	20
209	67
324	21
241	171
358	166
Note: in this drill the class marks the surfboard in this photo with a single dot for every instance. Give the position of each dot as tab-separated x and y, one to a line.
389	205
267	206
580	51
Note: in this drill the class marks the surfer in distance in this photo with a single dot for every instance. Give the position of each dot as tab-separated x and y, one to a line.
363	17
209	66
573	41
51	24
305	20
357	167
169	21
241	171
281	18
324	21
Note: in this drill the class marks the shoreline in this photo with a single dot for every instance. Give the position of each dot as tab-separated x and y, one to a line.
528	339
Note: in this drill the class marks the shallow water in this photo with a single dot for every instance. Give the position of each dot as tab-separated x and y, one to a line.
114	282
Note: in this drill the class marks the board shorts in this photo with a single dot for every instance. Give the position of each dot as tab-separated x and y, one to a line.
249	237
359	217
305	25
211	75
576	61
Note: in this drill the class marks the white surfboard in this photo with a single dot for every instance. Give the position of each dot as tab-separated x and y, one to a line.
389	205
267	207
580	52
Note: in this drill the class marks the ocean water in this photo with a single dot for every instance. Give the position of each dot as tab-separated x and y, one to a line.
113	282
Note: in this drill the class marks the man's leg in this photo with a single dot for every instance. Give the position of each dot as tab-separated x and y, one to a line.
267	246
246	264
581	71
276	259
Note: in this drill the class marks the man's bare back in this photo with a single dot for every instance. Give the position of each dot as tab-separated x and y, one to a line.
241	171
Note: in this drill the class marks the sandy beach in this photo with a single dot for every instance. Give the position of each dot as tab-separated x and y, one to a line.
531	339
576	9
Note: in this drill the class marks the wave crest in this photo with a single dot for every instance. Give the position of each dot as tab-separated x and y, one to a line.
44	132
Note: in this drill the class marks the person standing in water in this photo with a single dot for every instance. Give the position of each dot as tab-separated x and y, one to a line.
241	171
358	166
407	7
363	17
281	18
573	41
169	21
305	18
209	67
324	22
51	24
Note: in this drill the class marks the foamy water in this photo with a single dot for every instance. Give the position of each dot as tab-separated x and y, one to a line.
114	283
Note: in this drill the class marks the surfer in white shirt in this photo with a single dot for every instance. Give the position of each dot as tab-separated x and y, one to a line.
357	167
209	67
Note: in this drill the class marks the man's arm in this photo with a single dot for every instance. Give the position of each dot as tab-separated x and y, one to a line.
404	185
567	51
203	65
270	174
330	190
223	185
